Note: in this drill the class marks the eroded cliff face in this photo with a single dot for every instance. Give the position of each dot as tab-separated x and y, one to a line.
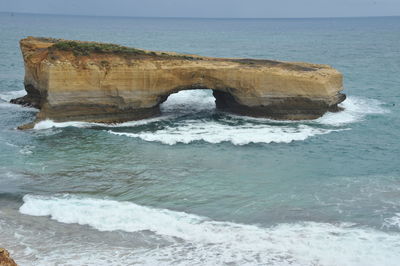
85	81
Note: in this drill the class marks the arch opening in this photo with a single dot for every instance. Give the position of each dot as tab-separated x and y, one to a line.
198	98
189	101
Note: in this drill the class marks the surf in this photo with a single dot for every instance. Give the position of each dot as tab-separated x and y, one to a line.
219	242
190	116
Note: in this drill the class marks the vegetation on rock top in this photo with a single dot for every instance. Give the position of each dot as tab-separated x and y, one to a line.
86	48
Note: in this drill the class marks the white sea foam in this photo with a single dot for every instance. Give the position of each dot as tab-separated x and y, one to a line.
7	105
5	98
9	95
189	100
214	132
26	150
255	130
46	124
183	101
200	241
246	130
355	109
393	221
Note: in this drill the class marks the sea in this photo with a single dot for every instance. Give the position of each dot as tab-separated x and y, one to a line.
197	186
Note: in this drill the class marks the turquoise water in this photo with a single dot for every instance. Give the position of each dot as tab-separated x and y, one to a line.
197	186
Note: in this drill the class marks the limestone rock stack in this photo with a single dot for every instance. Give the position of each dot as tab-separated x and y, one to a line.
98	82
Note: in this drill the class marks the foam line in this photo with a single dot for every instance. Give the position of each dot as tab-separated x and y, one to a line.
213	242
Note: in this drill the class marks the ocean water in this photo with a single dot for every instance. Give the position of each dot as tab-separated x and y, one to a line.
196	186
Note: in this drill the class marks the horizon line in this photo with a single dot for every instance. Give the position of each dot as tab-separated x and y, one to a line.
171	17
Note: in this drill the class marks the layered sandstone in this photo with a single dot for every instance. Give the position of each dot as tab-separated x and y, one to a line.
87	81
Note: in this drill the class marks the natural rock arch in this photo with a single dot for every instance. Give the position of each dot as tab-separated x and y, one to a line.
86	81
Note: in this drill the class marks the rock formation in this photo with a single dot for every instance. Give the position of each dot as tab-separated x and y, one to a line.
5	259
88	81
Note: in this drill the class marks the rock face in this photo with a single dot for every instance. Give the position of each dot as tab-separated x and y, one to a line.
5	259
87	81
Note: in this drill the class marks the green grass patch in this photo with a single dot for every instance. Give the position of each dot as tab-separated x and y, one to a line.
87	48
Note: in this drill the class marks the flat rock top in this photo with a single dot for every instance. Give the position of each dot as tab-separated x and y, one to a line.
96	49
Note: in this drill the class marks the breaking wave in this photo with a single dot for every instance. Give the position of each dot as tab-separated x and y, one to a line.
47	124
355	109
6	96
244	130
214	132
9	95
199	240
190	116
393	221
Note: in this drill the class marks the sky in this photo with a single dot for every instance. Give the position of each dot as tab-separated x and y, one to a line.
208	8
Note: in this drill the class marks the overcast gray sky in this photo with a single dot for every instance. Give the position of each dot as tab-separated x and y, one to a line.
208	8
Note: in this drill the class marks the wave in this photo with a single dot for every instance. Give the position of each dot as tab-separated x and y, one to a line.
47	124
26	150
178	103
392	221
6	97
250	130
190	116
9	95
189	101
355	109
214	132
199	240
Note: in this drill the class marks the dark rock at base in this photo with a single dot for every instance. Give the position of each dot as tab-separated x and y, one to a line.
288	108
26	101
32	99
